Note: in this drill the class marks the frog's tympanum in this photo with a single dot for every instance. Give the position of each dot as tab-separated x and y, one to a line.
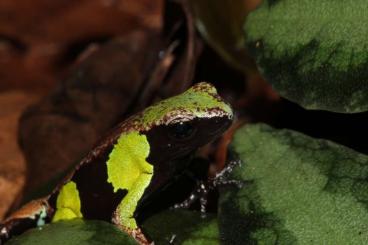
138	158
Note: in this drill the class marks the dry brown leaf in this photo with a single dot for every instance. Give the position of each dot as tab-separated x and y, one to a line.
39	39
12	167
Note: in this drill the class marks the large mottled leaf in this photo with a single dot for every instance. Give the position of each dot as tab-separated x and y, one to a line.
182	227
297	190
74	232
313	52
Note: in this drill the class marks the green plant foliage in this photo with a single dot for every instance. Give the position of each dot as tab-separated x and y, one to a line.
74	232
221	24
313	52
297	190
182	227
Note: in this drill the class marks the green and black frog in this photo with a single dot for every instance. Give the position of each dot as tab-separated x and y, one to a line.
138	158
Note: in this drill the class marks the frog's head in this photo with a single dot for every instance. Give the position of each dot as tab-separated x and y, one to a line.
164	135
179	125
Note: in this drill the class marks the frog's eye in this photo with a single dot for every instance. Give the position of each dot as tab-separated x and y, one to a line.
181	130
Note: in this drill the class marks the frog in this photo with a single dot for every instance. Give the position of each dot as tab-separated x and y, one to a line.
135	160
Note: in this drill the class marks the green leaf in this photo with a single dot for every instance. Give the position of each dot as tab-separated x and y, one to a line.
74	232
182	227
297	190
221	25
313	52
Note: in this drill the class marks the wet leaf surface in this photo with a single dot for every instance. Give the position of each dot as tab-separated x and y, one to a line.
74	232
297	190
312	52
182	227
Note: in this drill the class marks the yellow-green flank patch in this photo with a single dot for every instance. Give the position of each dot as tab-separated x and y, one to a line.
68	204
128	169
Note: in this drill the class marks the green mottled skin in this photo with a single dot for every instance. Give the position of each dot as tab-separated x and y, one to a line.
200	101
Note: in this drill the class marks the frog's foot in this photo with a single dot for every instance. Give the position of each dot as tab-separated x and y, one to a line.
204	187
201	193
221	178
137	234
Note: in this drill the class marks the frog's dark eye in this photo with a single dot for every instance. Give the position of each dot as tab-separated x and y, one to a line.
181	130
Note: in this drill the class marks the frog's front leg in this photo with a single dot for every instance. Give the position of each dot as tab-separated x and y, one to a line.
128	169
123	217
203	187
